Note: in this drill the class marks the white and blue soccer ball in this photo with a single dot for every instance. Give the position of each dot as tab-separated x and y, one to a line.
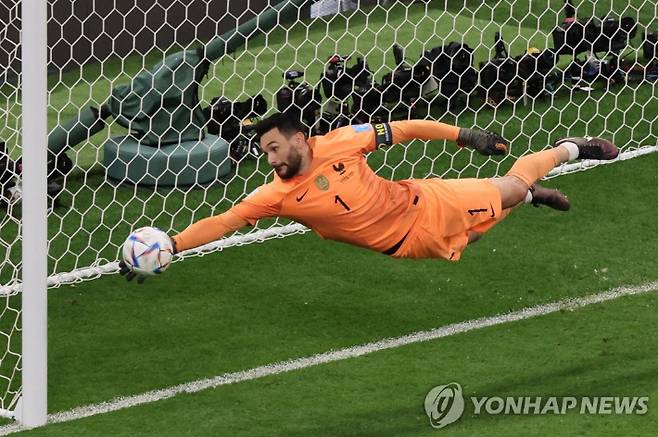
148	251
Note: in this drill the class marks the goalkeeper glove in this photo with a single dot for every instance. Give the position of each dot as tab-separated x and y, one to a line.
127	272
485	142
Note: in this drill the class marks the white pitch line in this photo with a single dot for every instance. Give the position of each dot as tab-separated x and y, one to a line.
337	355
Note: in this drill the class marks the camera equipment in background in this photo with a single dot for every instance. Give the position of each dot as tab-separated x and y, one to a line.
406	85
592	35
650	51
367	98
8	178
506	78
446	70
338	84
59	165
234	122
452	68
299	99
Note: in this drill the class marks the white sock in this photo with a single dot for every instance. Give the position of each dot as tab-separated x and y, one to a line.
528	197
572	148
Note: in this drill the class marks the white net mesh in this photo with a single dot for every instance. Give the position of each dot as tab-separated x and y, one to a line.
10	243
181	173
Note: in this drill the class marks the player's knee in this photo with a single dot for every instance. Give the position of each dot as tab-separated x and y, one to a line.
518	189
512	190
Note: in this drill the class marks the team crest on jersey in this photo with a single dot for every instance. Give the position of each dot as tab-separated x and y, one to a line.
322	182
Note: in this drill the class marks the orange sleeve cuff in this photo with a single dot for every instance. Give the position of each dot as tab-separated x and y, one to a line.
408	130
208	230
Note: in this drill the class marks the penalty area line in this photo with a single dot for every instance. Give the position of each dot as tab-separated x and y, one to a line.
121	403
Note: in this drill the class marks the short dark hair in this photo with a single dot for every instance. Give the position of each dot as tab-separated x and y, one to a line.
286	124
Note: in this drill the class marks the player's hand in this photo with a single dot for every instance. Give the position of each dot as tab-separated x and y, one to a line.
485	142
127	272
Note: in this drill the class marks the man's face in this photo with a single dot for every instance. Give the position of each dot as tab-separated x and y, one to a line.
283	153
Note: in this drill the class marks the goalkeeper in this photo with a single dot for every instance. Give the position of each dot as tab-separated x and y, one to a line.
325	183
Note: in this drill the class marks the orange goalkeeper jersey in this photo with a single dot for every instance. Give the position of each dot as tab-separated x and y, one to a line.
340	197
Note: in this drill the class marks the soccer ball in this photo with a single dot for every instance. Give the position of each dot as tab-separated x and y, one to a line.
148	251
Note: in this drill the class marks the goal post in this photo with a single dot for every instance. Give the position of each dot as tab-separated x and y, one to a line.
34	100
128	113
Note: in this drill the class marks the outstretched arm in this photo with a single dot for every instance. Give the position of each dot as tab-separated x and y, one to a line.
199	233
407	130
207	230
262	202
485	142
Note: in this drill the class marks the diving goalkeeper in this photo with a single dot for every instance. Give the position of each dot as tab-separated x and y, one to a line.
325	183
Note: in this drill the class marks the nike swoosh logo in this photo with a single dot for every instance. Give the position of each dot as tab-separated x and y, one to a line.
300	198
493	213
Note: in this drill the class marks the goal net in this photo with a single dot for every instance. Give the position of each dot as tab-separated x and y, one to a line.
152	103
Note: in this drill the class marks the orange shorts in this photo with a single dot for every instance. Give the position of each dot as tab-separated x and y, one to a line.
449	210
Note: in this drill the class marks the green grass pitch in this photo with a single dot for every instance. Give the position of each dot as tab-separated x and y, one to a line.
295	297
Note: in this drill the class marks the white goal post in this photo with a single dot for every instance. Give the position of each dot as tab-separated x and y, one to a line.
34	231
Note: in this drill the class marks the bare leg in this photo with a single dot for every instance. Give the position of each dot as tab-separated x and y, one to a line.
526	171
512	190
515	186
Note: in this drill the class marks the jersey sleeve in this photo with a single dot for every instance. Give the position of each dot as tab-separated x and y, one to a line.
263	202
407	130
356	139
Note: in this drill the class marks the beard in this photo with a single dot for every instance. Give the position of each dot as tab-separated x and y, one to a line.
291	167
